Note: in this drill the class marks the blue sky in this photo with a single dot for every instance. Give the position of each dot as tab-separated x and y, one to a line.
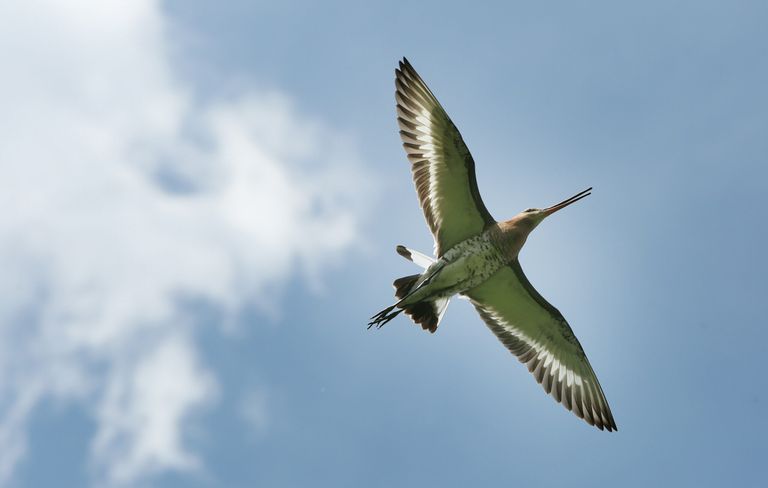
201	203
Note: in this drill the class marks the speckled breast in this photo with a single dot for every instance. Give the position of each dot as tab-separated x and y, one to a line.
476	259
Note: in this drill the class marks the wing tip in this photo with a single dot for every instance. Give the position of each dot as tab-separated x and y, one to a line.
403	66
406	70
604	420
404	252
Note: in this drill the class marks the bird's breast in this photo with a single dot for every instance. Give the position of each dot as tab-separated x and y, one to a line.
470	263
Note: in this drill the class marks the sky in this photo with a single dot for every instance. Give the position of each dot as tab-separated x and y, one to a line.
200	201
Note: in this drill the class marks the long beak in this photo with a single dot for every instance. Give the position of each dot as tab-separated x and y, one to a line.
554	208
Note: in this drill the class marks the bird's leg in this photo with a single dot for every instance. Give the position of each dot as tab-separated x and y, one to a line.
384	316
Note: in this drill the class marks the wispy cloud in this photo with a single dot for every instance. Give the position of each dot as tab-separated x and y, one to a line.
253	409
143	407
120	195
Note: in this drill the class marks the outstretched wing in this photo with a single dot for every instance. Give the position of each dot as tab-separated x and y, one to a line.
443	169
536	332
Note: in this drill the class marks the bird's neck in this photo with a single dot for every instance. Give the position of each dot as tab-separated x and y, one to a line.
509	237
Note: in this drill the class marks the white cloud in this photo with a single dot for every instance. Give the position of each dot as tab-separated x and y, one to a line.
119	194
142	409
254	411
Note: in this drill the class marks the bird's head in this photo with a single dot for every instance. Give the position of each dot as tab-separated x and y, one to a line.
515	231
529	218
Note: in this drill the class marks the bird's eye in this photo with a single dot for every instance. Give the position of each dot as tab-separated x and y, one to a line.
529	210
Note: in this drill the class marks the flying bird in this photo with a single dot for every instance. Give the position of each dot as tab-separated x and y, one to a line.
477	257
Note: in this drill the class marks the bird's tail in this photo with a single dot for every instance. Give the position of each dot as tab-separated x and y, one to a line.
426	313
404	285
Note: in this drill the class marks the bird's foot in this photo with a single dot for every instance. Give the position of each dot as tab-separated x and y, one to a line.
383	317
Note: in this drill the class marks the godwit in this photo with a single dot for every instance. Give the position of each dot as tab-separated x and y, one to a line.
476	257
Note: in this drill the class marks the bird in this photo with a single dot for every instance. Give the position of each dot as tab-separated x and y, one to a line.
476	257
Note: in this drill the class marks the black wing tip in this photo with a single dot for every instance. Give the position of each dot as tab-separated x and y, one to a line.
609	424
405	67
404	252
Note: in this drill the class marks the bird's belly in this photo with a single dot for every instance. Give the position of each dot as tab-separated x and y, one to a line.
466	265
